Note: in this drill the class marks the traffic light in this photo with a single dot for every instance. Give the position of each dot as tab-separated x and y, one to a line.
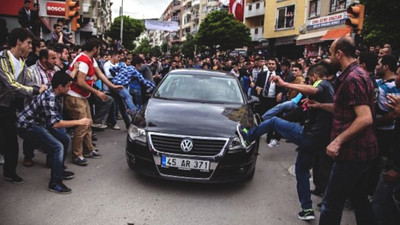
72	13
355	12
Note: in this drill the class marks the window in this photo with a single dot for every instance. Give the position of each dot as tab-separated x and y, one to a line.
315	7
256	31
338	5
257	5
250	7
285	17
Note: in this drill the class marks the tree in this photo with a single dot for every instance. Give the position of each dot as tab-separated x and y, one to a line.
144	47
174	49
155	51
220	28
131	30
188	46
164	47
382	22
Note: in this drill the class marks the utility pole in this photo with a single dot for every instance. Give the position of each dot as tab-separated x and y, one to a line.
121	13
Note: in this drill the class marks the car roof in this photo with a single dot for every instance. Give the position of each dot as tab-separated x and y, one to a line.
202	72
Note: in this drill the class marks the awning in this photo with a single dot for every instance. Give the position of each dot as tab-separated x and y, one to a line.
336	33
310	38
285	40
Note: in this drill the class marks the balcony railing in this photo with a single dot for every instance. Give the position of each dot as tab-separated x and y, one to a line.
256	33
254	9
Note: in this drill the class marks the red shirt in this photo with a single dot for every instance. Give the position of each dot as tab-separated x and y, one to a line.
88	63
354	88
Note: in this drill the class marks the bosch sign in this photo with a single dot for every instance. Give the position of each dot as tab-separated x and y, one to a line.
55	9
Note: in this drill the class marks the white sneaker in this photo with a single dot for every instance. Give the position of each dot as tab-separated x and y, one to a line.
273	143
1	159
116	127
99	126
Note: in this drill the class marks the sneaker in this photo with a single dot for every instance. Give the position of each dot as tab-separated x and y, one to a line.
99	126
242	133
27	162
306	214
80	161
1	159
116	127
67	175
59	188
14	179
273	143
93	155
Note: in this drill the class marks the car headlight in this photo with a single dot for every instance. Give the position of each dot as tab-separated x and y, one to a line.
235	145
137	134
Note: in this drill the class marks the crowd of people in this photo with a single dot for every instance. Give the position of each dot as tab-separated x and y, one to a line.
341	112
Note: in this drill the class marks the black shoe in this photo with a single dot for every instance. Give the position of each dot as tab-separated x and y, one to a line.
67	175
14	179
306	214
242	133
94	138
94	144
80	162
59	188
93	155
317	192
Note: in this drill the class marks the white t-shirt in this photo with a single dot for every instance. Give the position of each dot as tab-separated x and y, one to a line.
84	68
17	64
107	67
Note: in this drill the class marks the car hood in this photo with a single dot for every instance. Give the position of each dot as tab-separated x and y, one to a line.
192	118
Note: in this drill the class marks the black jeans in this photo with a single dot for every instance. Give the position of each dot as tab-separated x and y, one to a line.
348	180
9	144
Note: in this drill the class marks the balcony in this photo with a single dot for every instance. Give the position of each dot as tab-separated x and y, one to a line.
196	3
256	33
254	9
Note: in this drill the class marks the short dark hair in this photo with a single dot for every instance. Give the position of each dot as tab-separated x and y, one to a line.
347	46
60	47
286	62
35	44
18	34
391	61
90	44
322	68
112	53
60	78
27	1
370	60
56	25
137	60
44	53
297	65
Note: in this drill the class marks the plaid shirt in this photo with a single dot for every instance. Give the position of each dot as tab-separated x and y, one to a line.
128	73
43	110
354	88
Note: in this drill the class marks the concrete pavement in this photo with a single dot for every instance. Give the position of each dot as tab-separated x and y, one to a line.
108	192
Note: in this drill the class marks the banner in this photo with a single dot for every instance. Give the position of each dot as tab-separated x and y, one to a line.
236	8
170	26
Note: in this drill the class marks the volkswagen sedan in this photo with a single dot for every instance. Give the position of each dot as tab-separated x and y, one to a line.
187	130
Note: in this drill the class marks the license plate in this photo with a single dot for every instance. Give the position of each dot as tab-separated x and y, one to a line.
185	164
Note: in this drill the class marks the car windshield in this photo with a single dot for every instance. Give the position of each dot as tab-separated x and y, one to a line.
200	88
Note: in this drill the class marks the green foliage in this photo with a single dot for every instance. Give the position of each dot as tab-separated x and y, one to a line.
131	30
174	49
164	47
156	51
188	46
220	28
144	47
382	22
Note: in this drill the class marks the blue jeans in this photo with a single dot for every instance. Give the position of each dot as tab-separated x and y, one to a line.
124	93
55	141
288	130
137	96
306	154
383	203
348	180
282	107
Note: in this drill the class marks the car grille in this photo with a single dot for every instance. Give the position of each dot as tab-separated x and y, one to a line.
183	173
171	144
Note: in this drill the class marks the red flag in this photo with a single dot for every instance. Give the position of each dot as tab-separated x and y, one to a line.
236	8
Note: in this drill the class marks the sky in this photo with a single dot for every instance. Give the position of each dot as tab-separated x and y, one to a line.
140	9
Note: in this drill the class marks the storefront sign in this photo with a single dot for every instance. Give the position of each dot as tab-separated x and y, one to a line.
55	9
327	21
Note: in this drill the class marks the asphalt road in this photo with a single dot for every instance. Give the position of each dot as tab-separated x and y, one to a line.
108	192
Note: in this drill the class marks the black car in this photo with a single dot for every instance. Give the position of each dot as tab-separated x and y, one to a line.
187	130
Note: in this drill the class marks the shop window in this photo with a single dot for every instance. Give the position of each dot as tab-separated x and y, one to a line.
338	5
285	17
315	7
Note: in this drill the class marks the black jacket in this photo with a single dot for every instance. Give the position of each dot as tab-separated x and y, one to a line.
24	20
262	76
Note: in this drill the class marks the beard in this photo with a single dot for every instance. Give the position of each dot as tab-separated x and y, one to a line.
335	65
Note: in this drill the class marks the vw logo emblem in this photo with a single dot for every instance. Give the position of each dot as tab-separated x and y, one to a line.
186	145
